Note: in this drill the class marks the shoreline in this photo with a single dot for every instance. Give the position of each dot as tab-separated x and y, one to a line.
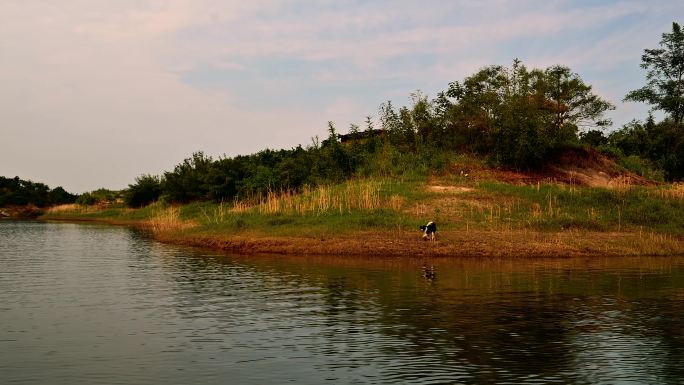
405	244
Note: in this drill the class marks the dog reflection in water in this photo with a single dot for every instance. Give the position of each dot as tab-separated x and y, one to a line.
429	272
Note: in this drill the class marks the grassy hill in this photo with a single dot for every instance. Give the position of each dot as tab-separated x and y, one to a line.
367	192
579	204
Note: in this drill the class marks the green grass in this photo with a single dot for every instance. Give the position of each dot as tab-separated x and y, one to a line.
553	207
547	207
327	224
405	203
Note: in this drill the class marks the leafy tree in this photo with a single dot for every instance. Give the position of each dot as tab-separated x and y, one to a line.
106	195
631	139
86	199
519	116
594	138
145	190
563	93
19	192
294	170
373	135
334	162
391	123
58	196
424	118
661	144
101	195
223	178
664	87
187	181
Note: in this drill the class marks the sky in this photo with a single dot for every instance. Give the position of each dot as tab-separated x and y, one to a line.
94	93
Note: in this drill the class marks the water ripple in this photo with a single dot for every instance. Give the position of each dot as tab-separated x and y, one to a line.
102	305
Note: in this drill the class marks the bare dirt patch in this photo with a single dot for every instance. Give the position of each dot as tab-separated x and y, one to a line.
449	200
580	167
449	189
20	212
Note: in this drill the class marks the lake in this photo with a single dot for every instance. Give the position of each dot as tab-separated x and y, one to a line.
91	304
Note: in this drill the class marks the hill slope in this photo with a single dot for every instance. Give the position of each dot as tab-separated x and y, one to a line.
480	211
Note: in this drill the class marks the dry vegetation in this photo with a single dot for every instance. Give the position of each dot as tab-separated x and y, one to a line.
350	196
168	219
477	216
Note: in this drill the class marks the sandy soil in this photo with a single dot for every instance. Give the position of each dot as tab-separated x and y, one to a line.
515	244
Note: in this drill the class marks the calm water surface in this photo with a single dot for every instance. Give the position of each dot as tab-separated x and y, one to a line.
85	304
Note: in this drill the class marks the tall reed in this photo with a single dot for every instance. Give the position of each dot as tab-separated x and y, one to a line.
68	207
345	198
168	219
674	191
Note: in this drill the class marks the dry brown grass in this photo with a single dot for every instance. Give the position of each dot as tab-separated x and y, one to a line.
71	207
74	208
620	183
168	220
674	191
350	196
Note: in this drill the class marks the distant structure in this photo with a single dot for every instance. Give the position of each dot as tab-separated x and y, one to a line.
360	135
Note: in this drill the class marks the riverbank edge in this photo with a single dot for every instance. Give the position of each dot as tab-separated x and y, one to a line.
386	243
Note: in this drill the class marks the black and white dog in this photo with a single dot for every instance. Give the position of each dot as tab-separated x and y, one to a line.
429	231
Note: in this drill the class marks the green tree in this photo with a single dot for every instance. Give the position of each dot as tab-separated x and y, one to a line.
15	191
391	123
565	95
86	199
594	138
59	196
187	181
145	190
519	116
664	87
223	177
334	162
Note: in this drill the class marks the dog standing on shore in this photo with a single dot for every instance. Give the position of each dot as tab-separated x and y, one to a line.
429	231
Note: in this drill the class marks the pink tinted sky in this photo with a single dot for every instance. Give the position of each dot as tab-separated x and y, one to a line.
95	93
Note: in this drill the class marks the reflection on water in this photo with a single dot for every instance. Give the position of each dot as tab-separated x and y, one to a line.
95	304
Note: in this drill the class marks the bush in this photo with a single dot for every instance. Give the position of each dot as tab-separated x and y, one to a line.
642	167
86	199
654	150
147	189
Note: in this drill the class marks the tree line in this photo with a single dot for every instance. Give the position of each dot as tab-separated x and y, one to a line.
657	146
19	192
512	116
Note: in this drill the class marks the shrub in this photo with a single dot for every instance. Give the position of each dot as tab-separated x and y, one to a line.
145	190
